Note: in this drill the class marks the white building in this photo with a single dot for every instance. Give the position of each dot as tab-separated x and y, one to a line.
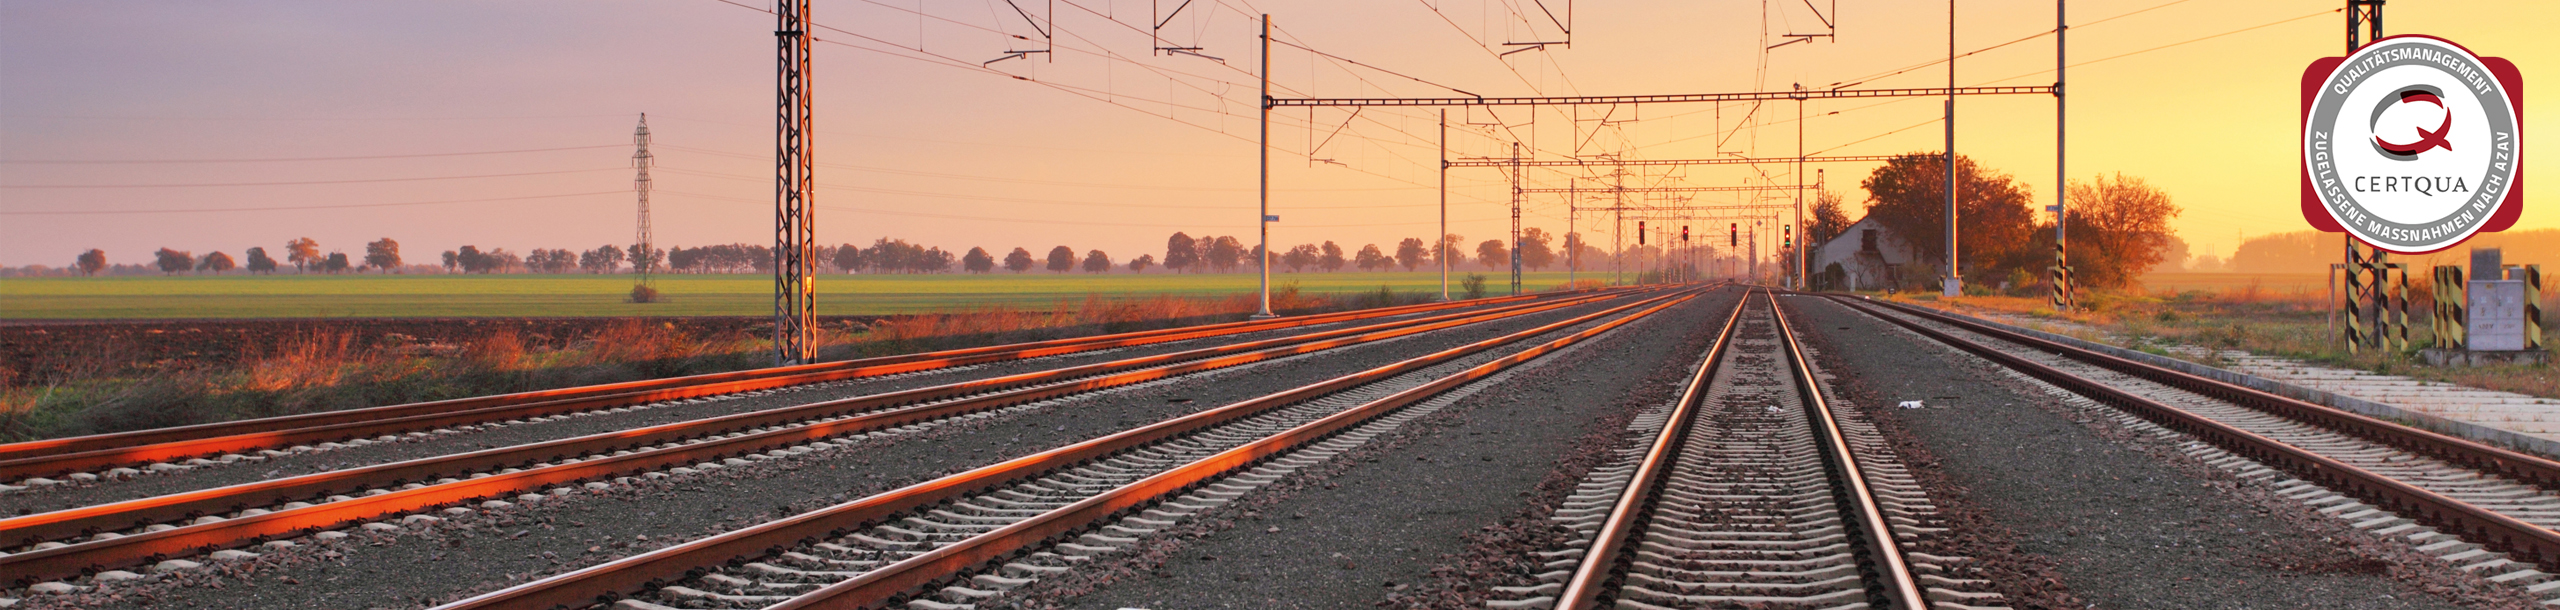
1870	257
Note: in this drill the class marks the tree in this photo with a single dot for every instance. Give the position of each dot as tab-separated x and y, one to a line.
1097	262
1908	196
1140	264
1019	261
452	260
337	262
259	262
646	259
978	260
383	254
472	260
1536	249
1332	260
1301	257
936	260
1452	248
603	259
1181	252
848	258
303	253
1371	259
1573	250
1412	253
91	262
2173	259
1829	219
174	261
1225	253
216	262
2119	226
1061	259
1493	254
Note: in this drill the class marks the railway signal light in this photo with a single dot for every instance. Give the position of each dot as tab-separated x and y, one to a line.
1639	232
1684	234
1790	240
1733	239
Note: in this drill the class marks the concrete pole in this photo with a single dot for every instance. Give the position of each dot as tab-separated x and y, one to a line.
1265	145
1515	219
1955	271
1444	204
1797	282
2061	178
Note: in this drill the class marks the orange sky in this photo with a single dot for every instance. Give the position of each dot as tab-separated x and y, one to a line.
1110	148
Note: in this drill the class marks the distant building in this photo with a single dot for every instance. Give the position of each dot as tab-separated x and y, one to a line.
1868	257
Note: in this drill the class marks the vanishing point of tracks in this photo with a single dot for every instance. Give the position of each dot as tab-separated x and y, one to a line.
1752	490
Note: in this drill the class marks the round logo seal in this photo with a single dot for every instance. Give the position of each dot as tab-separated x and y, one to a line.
2411	144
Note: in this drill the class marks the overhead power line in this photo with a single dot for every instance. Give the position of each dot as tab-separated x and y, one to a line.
303	207
284	159
368	180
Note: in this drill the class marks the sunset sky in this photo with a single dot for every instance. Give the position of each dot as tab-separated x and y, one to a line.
224	125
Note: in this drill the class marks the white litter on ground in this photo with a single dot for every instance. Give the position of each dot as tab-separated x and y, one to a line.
1912	404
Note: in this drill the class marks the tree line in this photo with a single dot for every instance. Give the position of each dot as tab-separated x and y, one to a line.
1183	254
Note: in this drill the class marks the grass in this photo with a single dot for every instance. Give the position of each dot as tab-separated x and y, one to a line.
331	369
371	296
2266	314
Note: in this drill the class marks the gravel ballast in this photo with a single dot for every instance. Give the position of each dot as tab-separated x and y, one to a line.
476	553
2121	524
1375	524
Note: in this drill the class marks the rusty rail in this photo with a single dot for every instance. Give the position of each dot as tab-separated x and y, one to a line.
867	414
33	458
1892	572
599	584
2531	469
2520	540
1601	562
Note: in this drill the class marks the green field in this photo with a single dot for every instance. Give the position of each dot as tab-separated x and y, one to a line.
360	296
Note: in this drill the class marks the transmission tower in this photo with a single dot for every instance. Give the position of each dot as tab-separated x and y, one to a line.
795	186
643	250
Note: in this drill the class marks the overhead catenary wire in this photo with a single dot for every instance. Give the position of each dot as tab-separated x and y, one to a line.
299	159
301	207
303	182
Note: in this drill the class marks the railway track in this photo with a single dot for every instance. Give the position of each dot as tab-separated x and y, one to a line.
932	544
1749	490
2485	509
96	456
64	544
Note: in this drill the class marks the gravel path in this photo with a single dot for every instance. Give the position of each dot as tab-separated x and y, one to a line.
488	550
488	436
2123	528
1374	523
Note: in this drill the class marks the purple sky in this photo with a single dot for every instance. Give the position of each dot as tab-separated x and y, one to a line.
1116	151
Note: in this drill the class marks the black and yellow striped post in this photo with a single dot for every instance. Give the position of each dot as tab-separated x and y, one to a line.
2356	268
2062	297
2450	302
2533	307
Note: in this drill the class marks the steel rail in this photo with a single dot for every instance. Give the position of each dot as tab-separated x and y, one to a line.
1601	562
600	583
1892	568
2531	469
2520	540
640	450
22	459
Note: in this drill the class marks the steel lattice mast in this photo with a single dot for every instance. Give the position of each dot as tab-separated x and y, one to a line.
642	250
795	187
